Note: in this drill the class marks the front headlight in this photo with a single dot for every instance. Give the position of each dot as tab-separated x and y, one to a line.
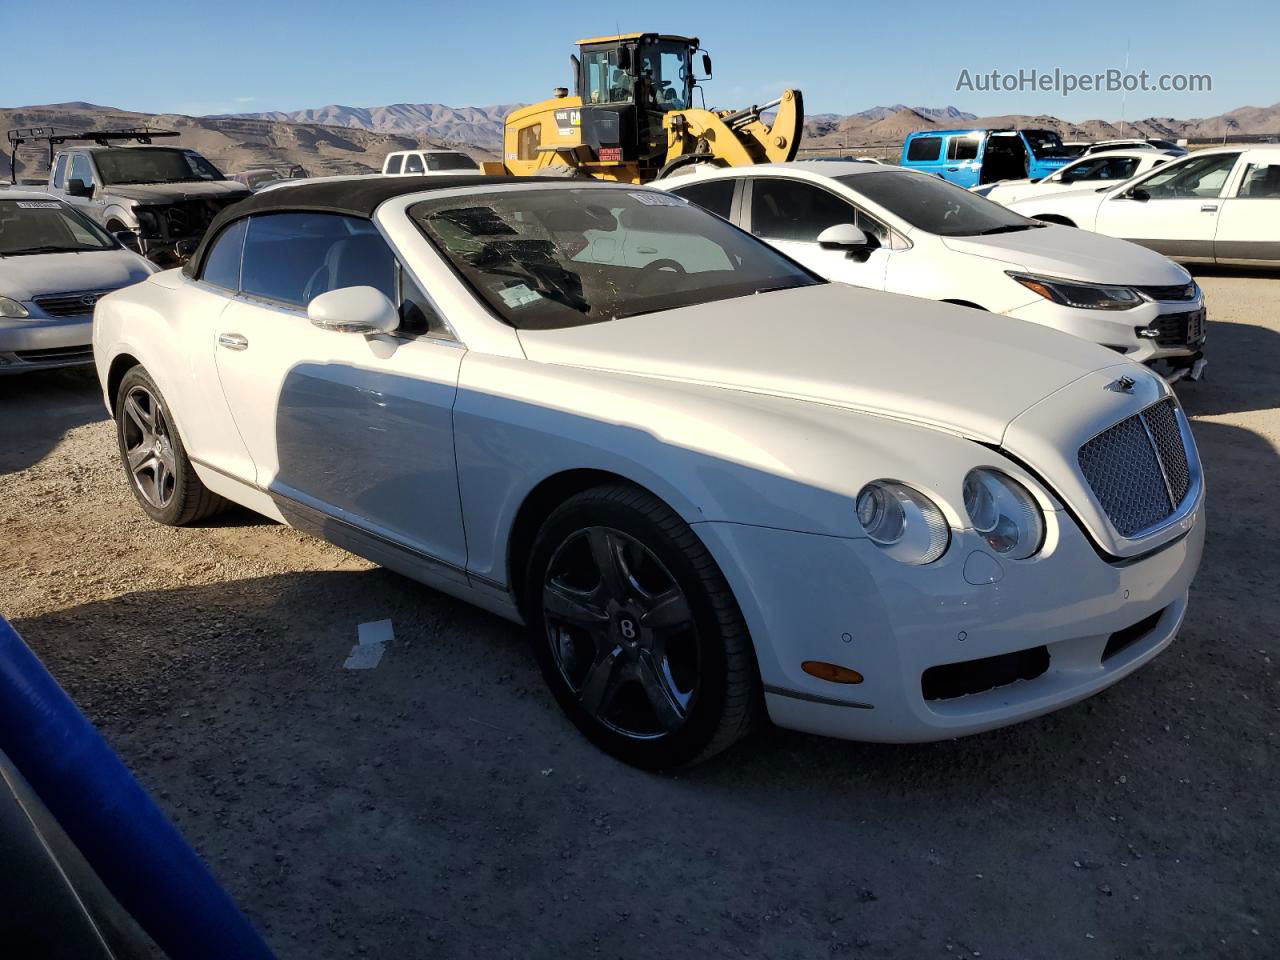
1086	296
1003	513
902	521
12	309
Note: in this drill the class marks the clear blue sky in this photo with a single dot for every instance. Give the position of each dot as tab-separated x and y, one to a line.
251	55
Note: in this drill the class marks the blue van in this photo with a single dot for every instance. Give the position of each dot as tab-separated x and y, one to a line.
970	157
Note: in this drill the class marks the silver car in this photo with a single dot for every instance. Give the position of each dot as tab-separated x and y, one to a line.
54	265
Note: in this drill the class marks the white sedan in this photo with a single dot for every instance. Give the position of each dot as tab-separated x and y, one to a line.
54	265
709	482
907	232
1220	205
1095	170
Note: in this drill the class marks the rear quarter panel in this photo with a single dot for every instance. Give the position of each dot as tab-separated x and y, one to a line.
162	324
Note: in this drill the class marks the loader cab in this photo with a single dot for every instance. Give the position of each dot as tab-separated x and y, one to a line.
627	85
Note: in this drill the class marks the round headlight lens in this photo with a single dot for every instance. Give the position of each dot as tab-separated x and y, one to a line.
1003	513
12	309
902	521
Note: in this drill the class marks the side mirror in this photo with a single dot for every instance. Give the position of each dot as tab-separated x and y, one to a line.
78	188
183	249
706	65
363	310
1137	193
128	239
847	237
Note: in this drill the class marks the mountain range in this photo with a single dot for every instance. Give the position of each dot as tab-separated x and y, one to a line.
338	139
233	144
475	126
481	127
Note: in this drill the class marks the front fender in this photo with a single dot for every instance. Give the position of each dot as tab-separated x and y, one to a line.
711	454
121	211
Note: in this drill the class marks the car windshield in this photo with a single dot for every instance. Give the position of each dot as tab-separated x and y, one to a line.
935	206
548	258
47	226
153	165
450	161
1044	143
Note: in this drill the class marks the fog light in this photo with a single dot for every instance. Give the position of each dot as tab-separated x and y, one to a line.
1149	332
830	671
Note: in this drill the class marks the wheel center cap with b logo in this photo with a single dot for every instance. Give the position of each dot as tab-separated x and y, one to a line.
627	627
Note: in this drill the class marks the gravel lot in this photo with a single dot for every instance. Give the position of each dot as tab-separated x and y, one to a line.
439	806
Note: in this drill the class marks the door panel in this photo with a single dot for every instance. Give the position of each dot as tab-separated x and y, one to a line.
359	428
1249	223
1181	217
209	431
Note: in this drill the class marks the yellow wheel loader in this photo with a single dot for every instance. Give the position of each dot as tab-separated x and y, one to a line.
633	117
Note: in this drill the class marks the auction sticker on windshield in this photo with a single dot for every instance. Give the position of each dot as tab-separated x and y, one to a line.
660	199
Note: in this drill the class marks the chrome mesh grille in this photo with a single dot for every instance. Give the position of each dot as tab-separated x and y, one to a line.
1163	424
1127	466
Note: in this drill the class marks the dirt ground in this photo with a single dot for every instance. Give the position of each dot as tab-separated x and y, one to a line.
439	806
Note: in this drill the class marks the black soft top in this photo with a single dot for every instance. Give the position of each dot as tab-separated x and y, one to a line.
354	198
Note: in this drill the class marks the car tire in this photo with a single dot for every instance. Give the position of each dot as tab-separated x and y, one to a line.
662	627
155	462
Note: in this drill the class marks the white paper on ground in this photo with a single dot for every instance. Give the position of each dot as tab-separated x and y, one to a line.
372	643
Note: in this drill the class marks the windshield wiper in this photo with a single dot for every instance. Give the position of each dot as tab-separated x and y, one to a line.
1008	228
47	248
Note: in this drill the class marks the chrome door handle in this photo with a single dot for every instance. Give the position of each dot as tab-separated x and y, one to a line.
1208	208
233	341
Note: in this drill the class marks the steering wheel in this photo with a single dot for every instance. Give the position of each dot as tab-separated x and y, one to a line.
650	271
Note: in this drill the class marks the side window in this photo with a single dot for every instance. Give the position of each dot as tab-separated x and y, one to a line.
81	169
1119	168
791	210
413	163
528	139
1198	177
1088	170
294	257
1261	181
394	163
60	172
924	149
222	265
962	148
713	195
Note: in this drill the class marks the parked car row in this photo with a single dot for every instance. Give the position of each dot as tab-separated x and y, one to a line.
710	482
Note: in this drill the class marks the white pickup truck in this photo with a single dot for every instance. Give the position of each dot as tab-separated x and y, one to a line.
413	163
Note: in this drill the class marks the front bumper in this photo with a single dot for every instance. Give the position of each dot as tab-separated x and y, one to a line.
1087	622
43	343
1117	329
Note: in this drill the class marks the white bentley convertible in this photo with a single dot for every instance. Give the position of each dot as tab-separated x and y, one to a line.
710	483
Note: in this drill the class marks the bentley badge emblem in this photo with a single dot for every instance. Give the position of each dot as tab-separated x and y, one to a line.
1123	385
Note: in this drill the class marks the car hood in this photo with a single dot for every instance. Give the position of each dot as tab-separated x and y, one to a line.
962	370
173	192
1073	254
42	274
